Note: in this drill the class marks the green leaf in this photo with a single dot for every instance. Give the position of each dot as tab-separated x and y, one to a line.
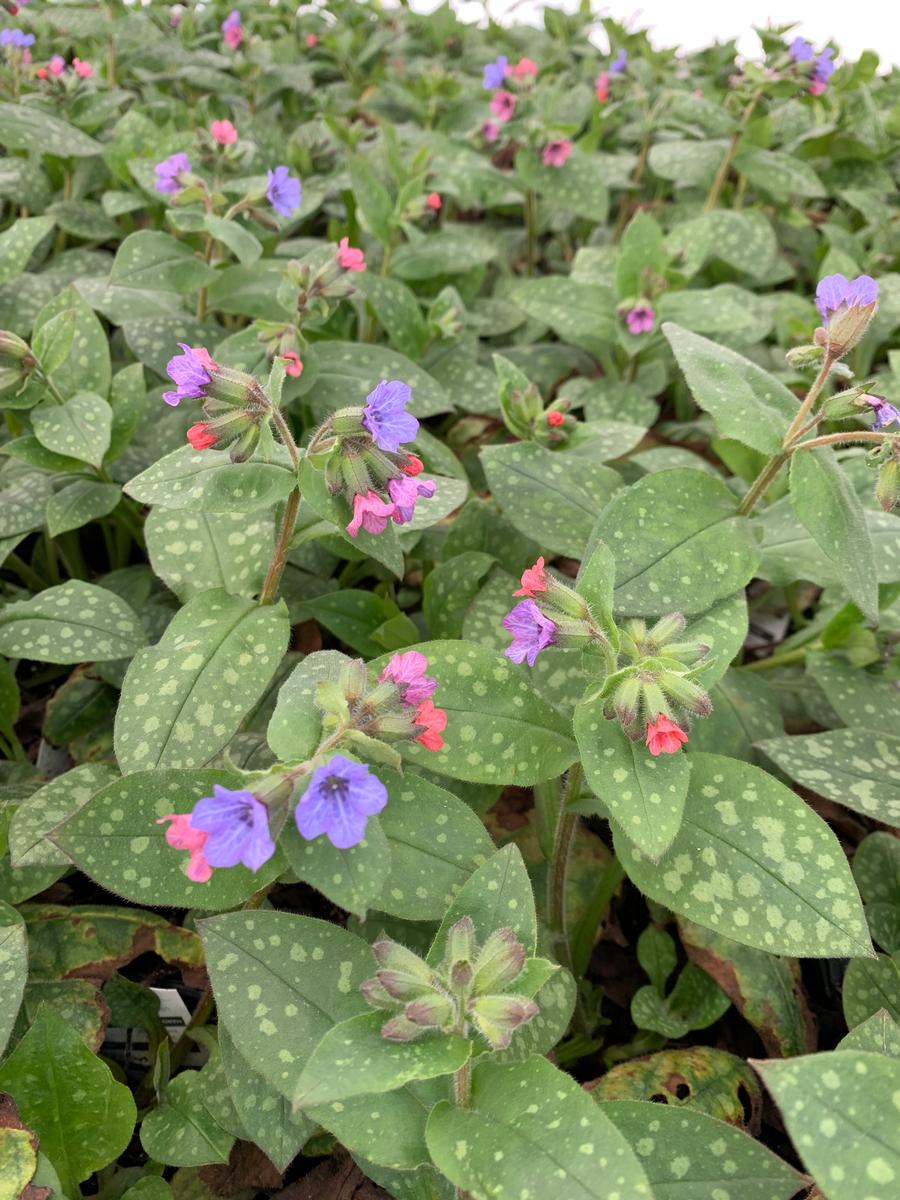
744	710
127	399
240	241
745	401
353	1059
348	371
281	982
579	313
296	726
780	174
86	366
79	502
450	589
645	795
551	496
383	547
49	806
642	257
880	1033
870	985
372	198
876	869
22	503
18	242
387	1128
687	163
499	730
748	863
580	187
441	253
827	504
10	699
689	1154
840	1110
80	428
74	622
859	768
114	838
158	262
497	896
182	1131
745	240
185	698
195	552
858	697
727	312
531	1129
694	1003
353	879
13	969
49	1067
397	309
678	543
209	481
26	127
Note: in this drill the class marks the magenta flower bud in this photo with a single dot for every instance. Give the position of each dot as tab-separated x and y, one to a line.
431	1011
498	1017
532	632
500	962
401	1029
375	994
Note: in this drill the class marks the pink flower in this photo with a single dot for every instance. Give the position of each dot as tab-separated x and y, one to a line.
293	365
369	512
503	105
56	65
664	736
223	133
524	67
534	580
311	40
555	419
640	319
181	835
83	70
490	131
404	493
231	29
817	87
408	672
434	722
41	72
556	152
433	201
601	88
349	257
201	436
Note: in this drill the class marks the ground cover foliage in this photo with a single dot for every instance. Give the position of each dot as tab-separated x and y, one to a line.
449	607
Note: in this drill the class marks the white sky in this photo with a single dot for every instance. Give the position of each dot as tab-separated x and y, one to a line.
856	25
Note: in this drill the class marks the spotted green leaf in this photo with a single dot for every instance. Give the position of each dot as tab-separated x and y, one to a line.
152	339
825	502
876	869
745	711
18	242
184	698
745	401
383	547
352	879
195	552
870	985
348	371
182	1131
79	502
840	1110
27	127
295	729
745	240
388	1128
22	502
695	1002
678	543
281	982
859	768
727	312
880	1034
239	240
687	163
397	309
579	313
442	253
74	622
80	428
209	481
780	174
551	496
86	367
77	1001
158	262
750	861
49	806
13	968
858	697
645	795
532	1129
49	1066
581	186
687	1154
115	839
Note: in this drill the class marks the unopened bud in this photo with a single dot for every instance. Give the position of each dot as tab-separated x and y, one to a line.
401	1029
13	350
375	994
461	941
803	357
500	962
432	1011
887	489
461	975
497	1017
686	693
626	701
667	628
687	652
347	422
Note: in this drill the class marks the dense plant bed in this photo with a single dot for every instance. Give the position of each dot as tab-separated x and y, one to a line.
449	607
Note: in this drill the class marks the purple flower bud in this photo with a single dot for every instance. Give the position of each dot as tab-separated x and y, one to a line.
500	962
847	306
494	74
238	828
404	493
401	1029
497	1017
385	415
341	797
532	632
619	63
284	191
169	173
885	413
431	1011
191	372
824	68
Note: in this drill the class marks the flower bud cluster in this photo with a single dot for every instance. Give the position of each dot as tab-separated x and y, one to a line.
552	614
310	288
16	359
235	407
468	990
523	411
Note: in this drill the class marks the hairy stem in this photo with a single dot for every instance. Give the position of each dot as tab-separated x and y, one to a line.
531	228
761	483
778	660
843	439
566	824
280	553
462	1095
808	401
718	183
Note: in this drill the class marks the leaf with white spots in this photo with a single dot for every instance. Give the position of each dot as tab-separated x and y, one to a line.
182	1132
858	697
581	186
22	502
727	312
349	371
353	1059
18	242
193	552
184	698
86	366
497	896
880	1034
388	1129
678	543
209	481
295	729
551	496
115	840
383	547
781	174
158	262
49	806
870	985
532	1132
281	982
579	313
841	1110
745	240
74	622
79	502
353	879
499	730
754	862
859	768
80	428
876	869
27	127
688	1155
645	795
13	969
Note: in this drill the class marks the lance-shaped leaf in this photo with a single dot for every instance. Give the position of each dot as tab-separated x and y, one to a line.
74	622
13	968
880	1034
196	551
208	480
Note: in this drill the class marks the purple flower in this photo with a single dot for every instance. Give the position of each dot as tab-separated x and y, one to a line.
835	291
169	172
884	413
640	319
340	798
238	828
494	74
15	37
190	372
800	50
385	415
407	670
231	29
532	632
404	493
619	63
824	67
284	191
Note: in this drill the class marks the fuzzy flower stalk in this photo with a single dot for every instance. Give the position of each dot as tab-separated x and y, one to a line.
472	990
